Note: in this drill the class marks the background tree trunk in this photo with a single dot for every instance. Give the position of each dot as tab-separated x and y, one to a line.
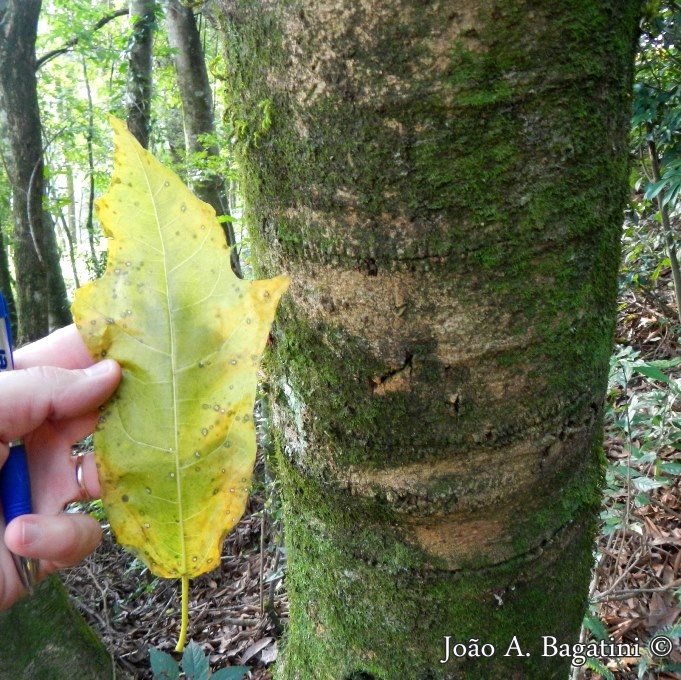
138	101
444	185
6	284
197	109
58	299
24	163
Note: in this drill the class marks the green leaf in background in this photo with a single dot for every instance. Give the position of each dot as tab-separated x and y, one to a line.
652	372
231	673
195	663
596	626
163	666
644	484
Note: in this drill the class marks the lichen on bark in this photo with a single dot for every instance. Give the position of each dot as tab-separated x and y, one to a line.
444	186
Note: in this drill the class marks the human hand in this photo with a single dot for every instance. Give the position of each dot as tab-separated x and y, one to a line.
51	401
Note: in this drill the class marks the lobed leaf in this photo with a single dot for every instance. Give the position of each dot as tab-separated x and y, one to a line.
163	666
175	446
231	673
195	663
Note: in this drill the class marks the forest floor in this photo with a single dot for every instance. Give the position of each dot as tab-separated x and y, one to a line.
636	587
237	613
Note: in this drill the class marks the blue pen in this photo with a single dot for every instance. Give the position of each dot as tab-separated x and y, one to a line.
15	482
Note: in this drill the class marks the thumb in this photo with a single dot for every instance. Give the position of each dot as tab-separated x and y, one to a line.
31	396
61	541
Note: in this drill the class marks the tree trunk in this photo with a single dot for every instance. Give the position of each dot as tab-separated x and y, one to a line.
444	184
192	75
6	284
197	108
45	637
70	225
58	299
19	104
138	100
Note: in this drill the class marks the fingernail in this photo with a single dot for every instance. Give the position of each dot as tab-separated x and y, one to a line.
100	368
30	532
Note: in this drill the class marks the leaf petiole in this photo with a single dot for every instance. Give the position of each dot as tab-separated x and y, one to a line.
185	614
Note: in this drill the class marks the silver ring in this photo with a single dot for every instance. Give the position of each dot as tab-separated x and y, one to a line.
80	477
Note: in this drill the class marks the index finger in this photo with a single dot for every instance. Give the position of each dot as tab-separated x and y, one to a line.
63	348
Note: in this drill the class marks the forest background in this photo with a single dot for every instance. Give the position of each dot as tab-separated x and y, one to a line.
102	58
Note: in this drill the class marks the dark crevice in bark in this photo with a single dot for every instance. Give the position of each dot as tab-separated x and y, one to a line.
379	383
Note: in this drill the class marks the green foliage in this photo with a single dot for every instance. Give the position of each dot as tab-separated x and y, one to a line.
643	417
656	124
195	666
643	243
656	115
76	88
596	665
649	662
82	78
650	665
595	626
648	425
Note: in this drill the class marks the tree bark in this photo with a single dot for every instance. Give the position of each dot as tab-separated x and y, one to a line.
6	284
23	148
197	109
58	299
444	185
45	637
138	99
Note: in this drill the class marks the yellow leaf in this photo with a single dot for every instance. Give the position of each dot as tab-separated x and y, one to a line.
175	446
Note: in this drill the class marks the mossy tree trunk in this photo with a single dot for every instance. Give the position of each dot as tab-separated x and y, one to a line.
45	638
444	183
40	290
138	96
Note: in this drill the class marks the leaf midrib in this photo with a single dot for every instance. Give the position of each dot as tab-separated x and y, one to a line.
173	367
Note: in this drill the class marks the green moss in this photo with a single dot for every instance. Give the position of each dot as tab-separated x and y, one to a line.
388	618
572	493
46	637
484	181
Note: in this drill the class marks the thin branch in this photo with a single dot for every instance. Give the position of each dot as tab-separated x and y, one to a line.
626	594
48	56
29	192
89	225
